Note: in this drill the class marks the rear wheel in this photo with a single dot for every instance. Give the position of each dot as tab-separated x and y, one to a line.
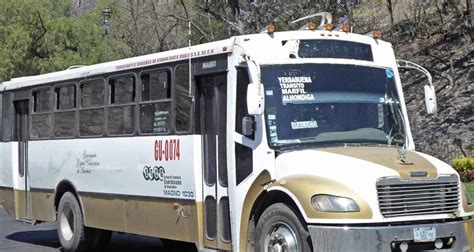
73	235
279	229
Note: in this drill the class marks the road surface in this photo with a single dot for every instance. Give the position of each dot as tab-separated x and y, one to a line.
22	237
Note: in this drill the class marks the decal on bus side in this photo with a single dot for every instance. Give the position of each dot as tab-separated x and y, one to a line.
155	173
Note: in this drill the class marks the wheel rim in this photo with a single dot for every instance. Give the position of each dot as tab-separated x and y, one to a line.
281	238
66	223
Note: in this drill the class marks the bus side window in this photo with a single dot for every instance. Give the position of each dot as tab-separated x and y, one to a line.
243	154
155	85
121	108
241	100
65	114
65	97
6	115
183	98
1	118
155	103
41	116
91	113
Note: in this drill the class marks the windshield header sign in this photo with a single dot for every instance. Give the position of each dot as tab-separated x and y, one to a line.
293	89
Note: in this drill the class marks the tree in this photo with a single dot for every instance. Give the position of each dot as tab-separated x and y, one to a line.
243	17
152	26
43	36
390	11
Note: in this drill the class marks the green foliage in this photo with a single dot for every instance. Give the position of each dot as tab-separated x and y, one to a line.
463	164
465	168
470	188
43	36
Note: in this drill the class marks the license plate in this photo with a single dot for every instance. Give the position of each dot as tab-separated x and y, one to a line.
424	234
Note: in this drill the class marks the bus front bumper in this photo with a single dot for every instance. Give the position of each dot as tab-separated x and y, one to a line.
384	238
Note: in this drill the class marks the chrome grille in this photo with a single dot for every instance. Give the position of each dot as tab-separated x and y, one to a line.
405	198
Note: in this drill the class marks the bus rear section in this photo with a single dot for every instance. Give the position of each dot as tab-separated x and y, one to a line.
13	151
122	149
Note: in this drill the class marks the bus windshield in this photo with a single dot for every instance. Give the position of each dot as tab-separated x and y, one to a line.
318	104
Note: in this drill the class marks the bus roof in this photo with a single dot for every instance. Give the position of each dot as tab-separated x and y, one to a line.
208	49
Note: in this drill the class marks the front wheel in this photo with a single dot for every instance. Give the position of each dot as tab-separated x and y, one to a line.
73	235
279	229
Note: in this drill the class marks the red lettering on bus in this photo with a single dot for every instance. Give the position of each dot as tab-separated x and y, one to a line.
156	150
160	151
170	150
177	149
166	150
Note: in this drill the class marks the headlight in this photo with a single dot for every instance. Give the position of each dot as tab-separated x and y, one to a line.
329	203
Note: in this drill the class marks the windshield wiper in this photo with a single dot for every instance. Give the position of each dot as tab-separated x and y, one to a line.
398	136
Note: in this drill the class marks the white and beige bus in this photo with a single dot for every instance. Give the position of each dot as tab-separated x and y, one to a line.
279	141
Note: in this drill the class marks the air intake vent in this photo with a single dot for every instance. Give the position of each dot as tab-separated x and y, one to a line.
406	198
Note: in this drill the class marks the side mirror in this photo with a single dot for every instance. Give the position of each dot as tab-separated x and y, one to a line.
255	99
248	126
430	100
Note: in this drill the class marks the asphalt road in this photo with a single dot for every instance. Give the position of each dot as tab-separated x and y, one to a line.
22	237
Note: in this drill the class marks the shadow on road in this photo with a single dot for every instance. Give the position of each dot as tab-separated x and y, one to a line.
119	243
46	238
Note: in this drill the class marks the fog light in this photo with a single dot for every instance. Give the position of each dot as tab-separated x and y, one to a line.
404	246
439	244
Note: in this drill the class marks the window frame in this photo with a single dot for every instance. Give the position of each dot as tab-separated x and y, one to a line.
7	117
51	102
81	108
66	84
75	109
108	103
238	121
34	113
191	94
160	69
170	100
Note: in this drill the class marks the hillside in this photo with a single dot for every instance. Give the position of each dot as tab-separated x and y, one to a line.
447	51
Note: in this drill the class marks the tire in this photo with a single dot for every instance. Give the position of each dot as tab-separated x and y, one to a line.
72	233
280	229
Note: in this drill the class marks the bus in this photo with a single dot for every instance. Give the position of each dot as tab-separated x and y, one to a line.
278	141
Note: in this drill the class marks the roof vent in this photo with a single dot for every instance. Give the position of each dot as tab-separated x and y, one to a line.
74	67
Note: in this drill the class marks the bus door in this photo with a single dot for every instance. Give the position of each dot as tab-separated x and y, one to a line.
22	197
212	95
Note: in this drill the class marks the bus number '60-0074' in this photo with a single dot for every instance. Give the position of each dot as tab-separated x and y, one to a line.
167	149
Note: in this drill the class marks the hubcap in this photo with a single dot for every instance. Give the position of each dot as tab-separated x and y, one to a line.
66	223
281	238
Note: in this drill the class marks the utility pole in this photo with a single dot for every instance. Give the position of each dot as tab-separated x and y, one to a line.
106	13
